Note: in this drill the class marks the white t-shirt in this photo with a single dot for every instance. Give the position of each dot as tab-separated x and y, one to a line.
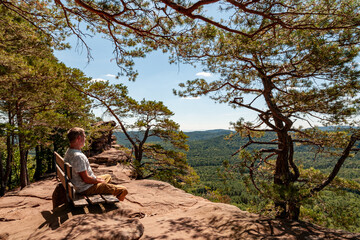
79	163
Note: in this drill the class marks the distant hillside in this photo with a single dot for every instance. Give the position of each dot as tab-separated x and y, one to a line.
208	134
195	135
210	148
121	138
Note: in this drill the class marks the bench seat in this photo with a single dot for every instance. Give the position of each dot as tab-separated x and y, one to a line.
64	175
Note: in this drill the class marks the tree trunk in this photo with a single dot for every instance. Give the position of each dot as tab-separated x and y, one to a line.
137	161
294	211
6	178
9	180
23	166
137	164
52	160
137	170
2	183
23	153
10	157
281	126
287	208
282	176
39	161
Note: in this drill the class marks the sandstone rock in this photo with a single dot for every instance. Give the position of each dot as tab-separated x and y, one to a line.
4	236
151	210
110	157
113	140
103	139
103	226
116	146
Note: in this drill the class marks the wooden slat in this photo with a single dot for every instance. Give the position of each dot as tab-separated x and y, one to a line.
109	198
95	199
70	186
63	165
80	201
59	161
61	175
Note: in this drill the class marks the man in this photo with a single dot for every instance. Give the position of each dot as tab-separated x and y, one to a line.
84	180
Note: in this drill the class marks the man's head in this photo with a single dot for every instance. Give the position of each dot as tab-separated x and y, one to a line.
76	136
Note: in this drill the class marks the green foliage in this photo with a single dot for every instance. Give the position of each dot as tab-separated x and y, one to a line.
140	121
336	207
36	101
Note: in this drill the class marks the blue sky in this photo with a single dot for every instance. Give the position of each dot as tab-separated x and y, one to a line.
156	80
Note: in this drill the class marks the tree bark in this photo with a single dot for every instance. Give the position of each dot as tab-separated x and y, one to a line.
2	183
10	156
5	172
23	153
283	176
38	158
10	151
293	211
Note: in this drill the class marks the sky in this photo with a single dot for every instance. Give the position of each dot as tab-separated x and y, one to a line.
156	81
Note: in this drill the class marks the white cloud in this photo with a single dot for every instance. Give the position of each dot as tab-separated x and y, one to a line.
98	80
204	74
191	98
110	75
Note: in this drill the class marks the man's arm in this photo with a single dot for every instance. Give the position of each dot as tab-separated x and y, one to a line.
86	178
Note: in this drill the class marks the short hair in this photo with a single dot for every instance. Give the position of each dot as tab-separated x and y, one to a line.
74	133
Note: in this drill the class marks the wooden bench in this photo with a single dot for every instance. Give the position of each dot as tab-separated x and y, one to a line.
64	174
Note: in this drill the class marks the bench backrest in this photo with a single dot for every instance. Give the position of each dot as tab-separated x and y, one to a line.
64	173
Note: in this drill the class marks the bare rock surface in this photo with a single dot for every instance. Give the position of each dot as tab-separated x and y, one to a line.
110	157
152	210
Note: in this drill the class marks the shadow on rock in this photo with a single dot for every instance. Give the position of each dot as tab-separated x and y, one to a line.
92	222
237	228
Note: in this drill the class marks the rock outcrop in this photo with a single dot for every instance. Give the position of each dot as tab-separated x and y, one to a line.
103	138
103	146
151	210
110	157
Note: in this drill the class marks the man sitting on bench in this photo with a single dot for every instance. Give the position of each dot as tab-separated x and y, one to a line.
84	180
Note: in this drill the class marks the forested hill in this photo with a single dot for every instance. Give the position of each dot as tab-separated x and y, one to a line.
195	135
211	148
207	135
